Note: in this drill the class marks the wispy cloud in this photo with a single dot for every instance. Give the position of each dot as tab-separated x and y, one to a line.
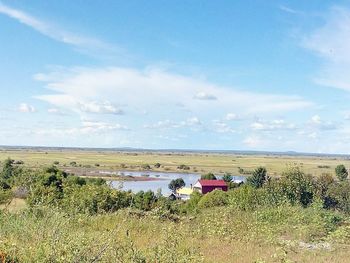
80	42
290	10
157	91
331	43
26	108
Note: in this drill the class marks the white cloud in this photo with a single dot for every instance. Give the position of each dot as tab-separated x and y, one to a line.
155	90
222	127
331	42
85	128
232	117
204	96
95	107
54	32
290	10
316	119
274	125
24	107
168	124
192	121
317	123
253	141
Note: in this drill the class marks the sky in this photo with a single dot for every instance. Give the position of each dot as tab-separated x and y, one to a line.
211	75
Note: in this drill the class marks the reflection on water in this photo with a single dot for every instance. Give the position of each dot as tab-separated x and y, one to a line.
162	182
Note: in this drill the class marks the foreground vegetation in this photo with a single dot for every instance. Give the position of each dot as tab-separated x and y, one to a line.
296	218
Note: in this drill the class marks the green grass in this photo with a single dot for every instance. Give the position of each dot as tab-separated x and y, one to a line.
199	163
223	234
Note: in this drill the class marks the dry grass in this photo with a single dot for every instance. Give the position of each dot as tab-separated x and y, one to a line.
200	163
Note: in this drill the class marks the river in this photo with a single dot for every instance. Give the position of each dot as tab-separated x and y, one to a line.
160	180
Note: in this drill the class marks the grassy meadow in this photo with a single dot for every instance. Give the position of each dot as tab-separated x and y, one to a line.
198	163
47	215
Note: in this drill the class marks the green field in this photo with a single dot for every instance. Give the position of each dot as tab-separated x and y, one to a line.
198	163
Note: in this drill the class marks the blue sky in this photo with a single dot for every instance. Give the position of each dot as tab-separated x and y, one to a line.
234	75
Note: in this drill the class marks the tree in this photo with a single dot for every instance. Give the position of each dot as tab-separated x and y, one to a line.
341	172
157	165
258	178
8	169
297	187
176	184
208	176
146	167
227	177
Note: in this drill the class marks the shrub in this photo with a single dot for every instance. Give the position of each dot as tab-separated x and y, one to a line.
146	167
341	172
227	177
338	196
258	178
192	204
208	176
297	187
244	198
93	199
214	198
144	200
183	167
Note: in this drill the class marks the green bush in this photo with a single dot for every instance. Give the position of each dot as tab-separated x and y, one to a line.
144	200
297	187
93	199
214	198
208	176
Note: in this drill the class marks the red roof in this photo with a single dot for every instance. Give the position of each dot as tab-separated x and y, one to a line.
212	182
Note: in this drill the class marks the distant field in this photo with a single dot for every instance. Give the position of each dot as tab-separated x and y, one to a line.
198	163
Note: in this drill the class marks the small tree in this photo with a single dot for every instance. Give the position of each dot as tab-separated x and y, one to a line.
176	184
157	165
227	177
208	176
258	178
8	169
146	167
341	172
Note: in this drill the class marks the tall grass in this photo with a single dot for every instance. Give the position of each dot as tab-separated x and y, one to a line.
219	234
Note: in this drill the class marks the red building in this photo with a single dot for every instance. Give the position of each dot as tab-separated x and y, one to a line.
206	186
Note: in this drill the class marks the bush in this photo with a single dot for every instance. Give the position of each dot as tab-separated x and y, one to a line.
341	172
93	199
297	187
259	178
146	167
338	196
208	176
214	198
183	167
192	204
227	177
144	200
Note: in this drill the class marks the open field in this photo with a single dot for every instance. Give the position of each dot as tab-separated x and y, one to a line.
198	162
